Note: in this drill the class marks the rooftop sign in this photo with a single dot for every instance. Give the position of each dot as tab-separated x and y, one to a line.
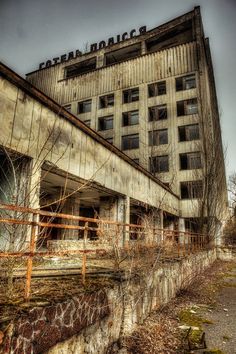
93	47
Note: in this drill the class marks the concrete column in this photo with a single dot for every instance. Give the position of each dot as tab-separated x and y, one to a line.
123	216
72	207
143	47
181	226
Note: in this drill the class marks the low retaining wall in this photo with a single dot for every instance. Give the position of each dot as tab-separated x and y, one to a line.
92	323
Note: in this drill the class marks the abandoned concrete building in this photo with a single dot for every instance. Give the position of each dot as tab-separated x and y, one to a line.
128	130
152	95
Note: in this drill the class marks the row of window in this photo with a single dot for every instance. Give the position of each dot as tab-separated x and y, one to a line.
132	95
187	161
155	113
159	112
160	137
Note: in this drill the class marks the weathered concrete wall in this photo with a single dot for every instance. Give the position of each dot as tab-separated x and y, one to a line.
91	323
131	303
30	128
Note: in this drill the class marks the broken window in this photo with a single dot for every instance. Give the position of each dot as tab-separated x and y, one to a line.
130	118
159	164
180	34
187	107
190	161
189	132
131	95
105	123
157	113
191	189
67	107
122	54
85	106
106	101
185	82
157	89
158	137
80	68
130	142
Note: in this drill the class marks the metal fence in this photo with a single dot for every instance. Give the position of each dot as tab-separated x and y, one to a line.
87	236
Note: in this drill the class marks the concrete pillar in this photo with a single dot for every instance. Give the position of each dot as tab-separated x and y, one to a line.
71	206
123	216
143	48
181	226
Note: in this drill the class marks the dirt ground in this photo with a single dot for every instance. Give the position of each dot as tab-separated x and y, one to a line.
201	319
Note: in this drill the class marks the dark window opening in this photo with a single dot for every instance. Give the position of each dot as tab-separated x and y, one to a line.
185	82
187	107
130	142
105	123
180	34
191	190
189	132
158	137
106	101
123	54
157	113
130	118
159	164
190	161
157	89
85	106
131	95
80	68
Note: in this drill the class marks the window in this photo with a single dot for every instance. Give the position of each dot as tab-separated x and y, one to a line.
187	107
130	118
157	89
157	113
85	106
190	161
191	190
159	164
110	140
189	132
122	54
130	142
158	137
185	82
67	107
106	101
131	95
87	122
80	68
105	123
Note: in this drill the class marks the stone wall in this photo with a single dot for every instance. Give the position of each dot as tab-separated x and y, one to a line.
43	327
92	323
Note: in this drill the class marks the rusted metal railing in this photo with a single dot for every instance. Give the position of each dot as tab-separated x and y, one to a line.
95	235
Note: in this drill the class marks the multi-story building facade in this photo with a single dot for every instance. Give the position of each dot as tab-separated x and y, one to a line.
153	96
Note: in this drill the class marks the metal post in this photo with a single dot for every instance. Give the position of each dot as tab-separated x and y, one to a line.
84	253
30	258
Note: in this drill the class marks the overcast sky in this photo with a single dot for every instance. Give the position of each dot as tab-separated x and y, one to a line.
32	31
